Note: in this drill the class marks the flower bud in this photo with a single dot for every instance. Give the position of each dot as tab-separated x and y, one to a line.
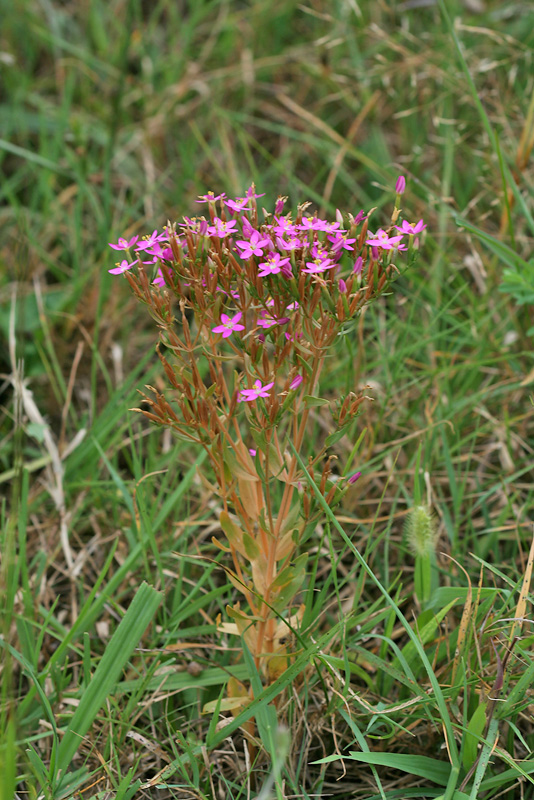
279	206
358	264
400	186
342	286
354	478
295	383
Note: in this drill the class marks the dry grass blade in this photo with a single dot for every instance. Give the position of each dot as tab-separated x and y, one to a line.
467	616
523	595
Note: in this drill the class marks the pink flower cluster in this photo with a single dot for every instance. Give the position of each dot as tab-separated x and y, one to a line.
309	244
285	258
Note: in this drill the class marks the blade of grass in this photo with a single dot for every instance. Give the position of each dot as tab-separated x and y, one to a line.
440	700
118	651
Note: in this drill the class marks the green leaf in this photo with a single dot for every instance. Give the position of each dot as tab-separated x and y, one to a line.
8	761
472	738
224	704
485	755
118	651
332	438
251	547
422	766
425	635
233	532
288	582
311	402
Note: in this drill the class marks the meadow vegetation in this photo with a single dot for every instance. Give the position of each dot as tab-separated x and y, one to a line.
411	672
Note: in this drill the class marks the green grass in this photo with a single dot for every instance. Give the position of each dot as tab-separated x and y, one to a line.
114	117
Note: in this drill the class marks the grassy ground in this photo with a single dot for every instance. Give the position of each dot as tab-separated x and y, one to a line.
115	116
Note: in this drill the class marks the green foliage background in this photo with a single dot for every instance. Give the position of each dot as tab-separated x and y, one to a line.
114	117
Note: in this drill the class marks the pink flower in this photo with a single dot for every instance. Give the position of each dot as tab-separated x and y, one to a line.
400	186
409	227
159	280
358	264
247	227
272	265
340	242
229	325
354	478
250	192
332	227
318	251
292	244
269	322
295	383
209	197
232	294
252	451
161	252
283	226
318	265
222	229
150	241
123	244
314	224
279	205
248	395
359	217
381	239
254	247
122	267
238	204
199	226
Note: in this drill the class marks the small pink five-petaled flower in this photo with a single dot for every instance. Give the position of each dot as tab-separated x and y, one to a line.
229	324
222	229
272	265
381	239
411	228
124	266
124	244
209	197
254	246
248	395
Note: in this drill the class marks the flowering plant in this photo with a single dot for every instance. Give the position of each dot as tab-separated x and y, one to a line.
247	311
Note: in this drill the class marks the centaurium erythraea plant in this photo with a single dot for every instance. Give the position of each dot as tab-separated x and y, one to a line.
248	305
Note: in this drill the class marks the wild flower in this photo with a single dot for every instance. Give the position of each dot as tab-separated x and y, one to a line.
149	241
411	228
254	246
229	325
124	244
239	204
385	241
313	224
221	229
267	321
341	242
248	395
210	197
273	264
318	265
121	267
284	226
248	312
